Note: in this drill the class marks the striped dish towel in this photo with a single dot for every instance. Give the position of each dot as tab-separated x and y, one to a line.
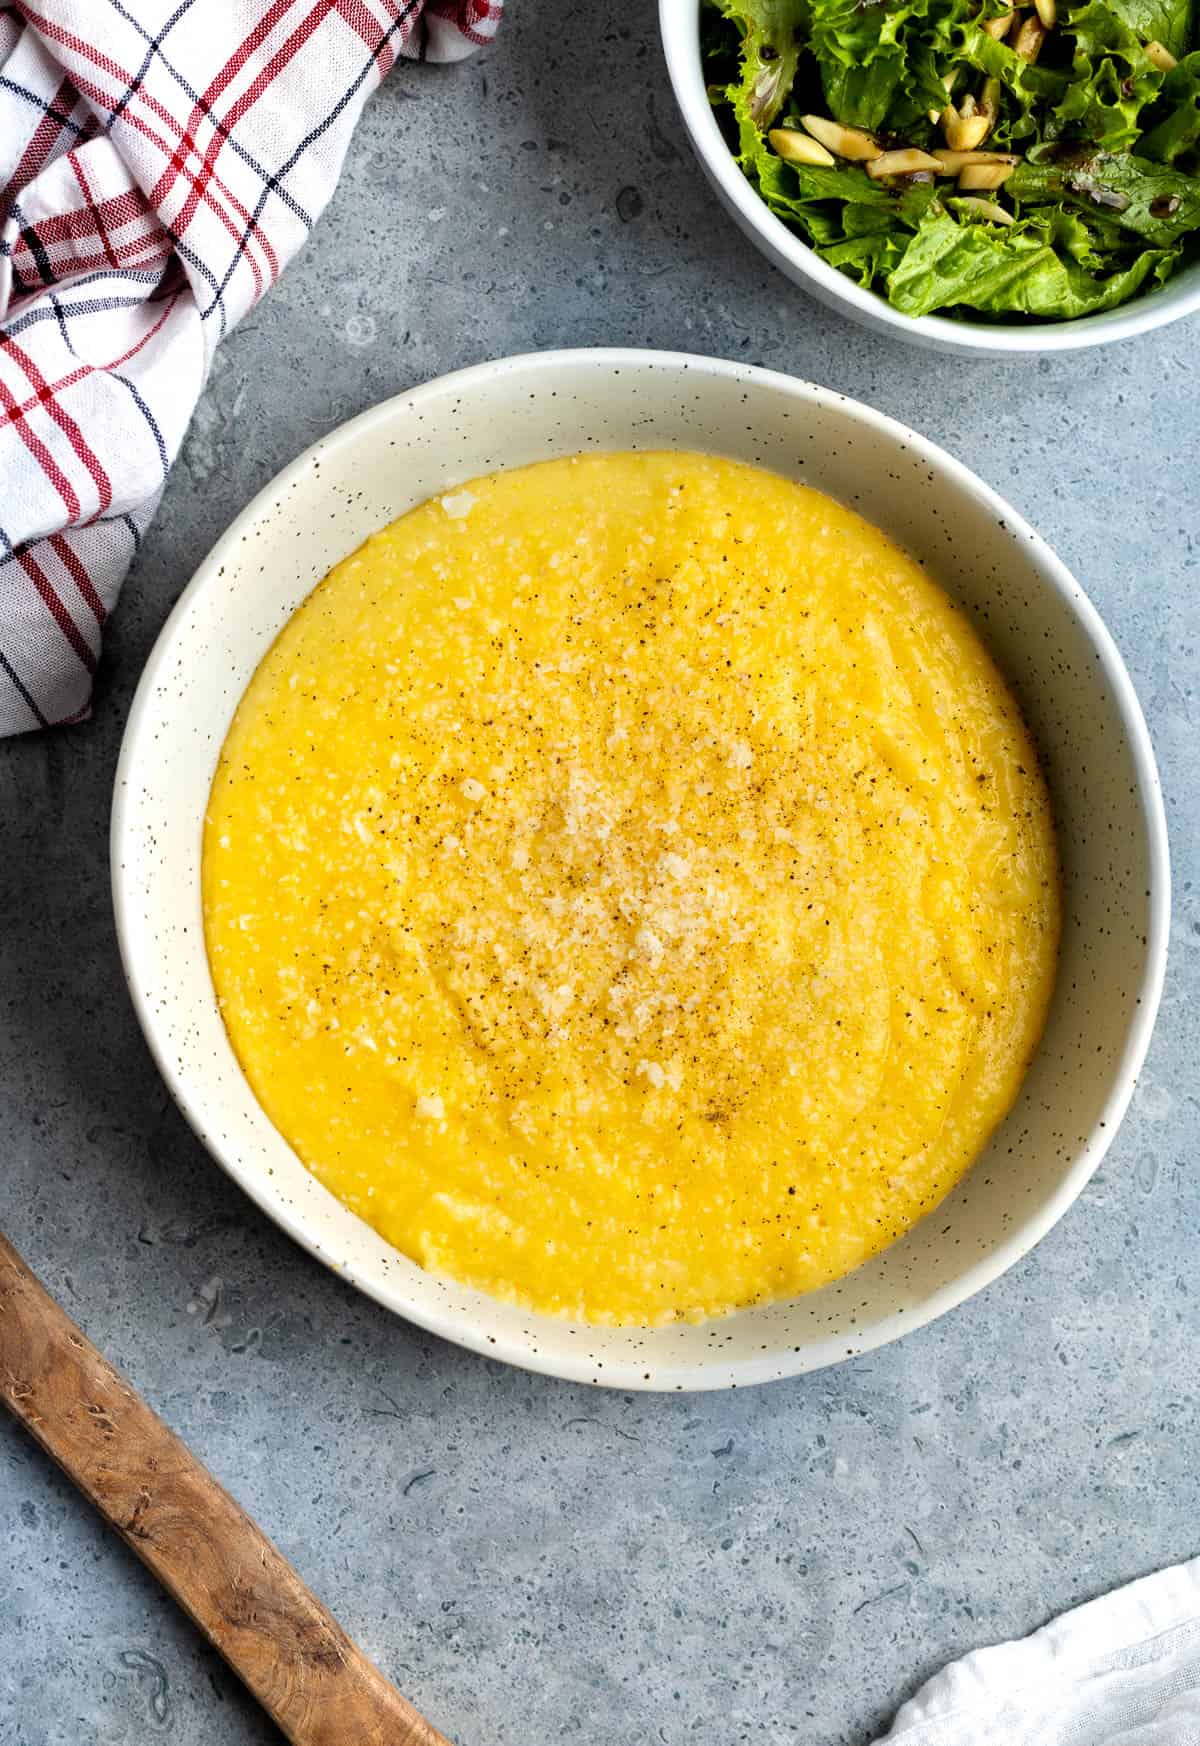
161	161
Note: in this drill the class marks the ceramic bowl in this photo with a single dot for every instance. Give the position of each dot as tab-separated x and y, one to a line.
1039	624
679	20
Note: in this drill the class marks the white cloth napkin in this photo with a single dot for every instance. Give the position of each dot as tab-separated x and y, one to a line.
1121	1671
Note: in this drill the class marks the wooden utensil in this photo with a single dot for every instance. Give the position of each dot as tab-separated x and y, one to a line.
244	1595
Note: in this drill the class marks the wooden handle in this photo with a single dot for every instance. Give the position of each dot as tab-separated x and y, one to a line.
244	1595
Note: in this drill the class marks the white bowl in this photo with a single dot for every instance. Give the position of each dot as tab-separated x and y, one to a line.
1037	620
681	43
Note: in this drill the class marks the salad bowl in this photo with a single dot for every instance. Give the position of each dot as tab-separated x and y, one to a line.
1089	210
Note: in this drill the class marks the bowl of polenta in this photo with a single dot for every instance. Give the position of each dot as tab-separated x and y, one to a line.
647	867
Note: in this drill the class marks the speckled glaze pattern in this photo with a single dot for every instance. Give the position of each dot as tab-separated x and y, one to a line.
1066	672
679	21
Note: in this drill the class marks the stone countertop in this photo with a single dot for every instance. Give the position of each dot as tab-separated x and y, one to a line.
530	1561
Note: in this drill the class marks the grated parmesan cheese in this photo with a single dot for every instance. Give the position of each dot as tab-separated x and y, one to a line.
629	886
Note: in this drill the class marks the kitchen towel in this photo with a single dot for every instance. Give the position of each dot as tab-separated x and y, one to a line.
1121	1671
161	161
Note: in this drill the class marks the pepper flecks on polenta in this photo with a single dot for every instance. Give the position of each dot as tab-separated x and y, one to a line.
630	887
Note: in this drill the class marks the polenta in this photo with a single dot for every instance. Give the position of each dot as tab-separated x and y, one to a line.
630	887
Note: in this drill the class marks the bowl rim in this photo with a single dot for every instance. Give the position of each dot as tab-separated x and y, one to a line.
681	48
139	742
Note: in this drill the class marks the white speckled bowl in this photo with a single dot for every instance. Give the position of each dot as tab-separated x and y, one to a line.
679	20
1039	623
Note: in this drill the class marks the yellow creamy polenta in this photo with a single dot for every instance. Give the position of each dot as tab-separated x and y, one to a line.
630	887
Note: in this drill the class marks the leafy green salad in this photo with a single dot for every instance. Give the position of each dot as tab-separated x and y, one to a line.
976	157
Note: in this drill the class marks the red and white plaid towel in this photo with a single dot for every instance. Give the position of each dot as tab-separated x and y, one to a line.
161	161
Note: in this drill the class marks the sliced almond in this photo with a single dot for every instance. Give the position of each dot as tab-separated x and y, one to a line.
1047	11
998	28
965	133
953	162
985	209
1160	56
985	175
795	147
901	163
1030	38
846	142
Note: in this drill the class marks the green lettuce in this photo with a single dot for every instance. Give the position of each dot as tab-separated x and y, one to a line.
1167	21
771	44
800	184
865	258
831	205
1112	79
882	64
1147	199
1005	269
1179	129
1027	82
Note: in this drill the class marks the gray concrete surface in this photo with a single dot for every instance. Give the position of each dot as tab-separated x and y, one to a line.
533	1562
